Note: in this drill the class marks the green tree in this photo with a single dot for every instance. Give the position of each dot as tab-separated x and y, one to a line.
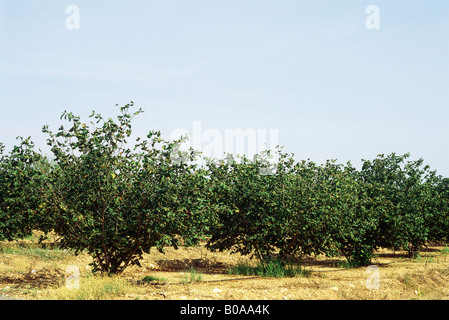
403	191
309	217
440	226
244	203
19	208
117	201
327	212
359	218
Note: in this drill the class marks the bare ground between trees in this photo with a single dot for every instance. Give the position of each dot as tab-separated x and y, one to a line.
28	276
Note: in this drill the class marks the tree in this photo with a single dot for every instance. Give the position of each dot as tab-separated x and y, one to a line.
309	217
359	218
18	205
403	191
117	201
440	224
245	206
327	212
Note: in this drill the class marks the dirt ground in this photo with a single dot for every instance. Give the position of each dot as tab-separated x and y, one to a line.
392	277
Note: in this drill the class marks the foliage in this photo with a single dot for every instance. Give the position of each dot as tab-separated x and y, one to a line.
115	201
439	227
244	204
404	193
18	205
312	201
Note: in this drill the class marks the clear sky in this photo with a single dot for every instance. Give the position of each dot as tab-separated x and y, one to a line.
313	70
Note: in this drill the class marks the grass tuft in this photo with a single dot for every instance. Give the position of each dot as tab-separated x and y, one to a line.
192	276
36	252
273	268
93	287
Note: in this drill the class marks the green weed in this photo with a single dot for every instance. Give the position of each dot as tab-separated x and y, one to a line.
273	268
192	276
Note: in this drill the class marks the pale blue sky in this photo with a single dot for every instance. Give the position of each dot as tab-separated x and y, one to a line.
308	68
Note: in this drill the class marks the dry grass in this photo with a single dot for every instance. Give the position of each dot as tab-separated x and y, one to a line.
30	272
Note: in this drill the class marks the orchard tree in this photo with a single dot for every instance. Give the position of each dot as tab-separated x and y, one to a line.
359	218
245	205
419	204
308	215
440	226
325	212
19	206
405	196
117	201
